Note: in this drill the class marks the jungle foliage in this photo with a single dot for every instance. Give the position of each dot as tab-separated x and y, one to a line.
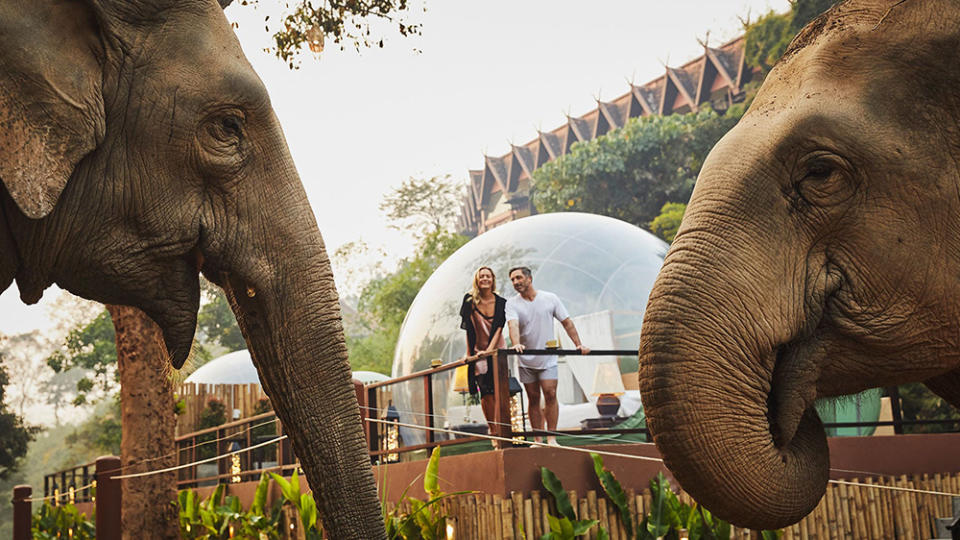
667	223
632	172
384	300
92	348
223	517
423	205
64	521
768	37
307	25
425	209
15	436
216	323
917	402
644	172
668	516
425	519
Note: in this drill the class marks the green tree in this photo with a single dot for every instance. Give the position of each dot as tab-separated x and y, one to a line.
388	298
668	222
99	434
15	436
423	205
60	389
917	402
216	321
20	355
91	347
631	172
309	24
384	301
767	39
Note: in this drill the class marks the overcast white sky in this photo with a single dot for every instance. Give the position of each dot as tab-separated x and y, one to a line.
486	73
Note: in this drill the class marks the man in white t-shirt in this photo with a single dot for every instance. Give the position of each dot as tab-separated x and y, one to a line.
530	317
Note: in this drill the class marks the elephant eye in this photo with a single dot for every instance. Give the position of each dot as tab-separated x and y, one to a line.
230	127
221	143
231	124
818	170
825	181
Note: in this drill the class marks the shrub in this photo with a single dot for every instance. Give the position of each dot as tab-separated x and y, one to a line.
53	522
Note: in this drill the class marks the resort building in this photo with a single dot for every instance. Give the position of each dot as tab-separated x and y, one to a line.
500	191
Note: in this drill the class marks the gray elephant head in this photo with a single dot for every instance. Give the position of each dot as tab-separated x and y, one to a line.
139	148
818	257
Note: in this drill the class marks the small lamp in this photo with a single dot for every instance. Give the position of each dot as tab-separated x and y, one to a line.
234	462
514	386
392	414
391	438
607	385
461	378
315	39
518	414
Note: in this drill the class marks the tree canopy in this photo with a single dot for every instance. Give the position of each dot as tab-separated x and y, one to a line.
91	347
309	24
668	222
426	209
630	173
422	206
216	322
384	300
15	436
767	38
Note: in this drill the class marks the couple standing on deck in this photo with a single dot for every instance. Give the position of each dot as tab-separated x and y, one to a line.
529	318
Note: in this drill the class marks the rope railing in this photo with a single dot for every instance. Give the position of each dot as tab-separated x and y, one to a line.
371	409
54	479
489	437
660	460
198	462
75	492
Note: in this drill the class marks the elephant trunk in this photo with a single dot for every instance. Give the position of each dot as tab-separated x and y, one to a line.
724	385
292	325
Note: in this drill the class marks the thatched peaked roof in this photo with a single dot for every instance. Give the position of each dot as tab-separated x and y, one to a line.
715	78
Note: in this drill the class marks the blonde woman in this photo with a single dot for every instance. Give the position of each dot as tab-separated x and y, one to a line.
483	315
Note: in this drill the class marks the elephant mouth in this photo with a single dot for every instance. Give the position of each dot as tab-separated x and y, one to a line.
797	363
792	392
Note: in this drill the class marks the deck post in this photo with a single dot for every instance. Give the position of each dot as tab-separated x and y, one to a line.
501	389
109	497
22	512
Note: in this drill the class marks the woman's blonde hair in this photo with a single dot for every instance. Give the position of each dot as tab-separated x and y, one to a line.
475	291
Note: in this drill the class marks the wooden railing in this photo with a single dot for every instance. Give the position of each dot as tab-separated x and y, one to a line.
226	438
278	457
501	424
66	485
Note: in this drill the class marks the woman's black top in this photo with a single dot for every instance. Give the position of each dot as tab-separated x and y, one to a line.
499	318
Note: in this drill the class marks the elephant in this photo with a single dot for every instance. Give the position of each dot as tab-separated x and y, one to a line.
139	149
819	256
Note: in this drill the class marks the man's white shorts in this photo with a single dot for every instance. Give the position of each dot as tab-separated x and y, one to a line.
530	375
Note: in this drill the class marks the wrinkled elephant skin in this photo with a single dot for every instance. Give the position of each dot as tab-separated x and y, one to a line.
819	256
139	148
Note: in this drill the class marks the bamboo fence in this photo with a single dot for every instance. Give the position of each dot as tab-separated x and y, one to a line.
242	397
845	511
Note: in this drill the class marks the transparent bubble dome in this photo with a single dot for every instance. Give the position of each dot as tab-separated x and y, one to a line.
593	263
601	268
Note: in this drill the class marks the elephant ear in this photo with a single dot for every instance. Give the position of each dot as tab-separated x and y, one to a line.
51	102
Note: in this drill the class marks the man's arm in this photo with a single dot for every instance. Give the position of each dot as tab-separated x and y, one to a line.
571	330
494	339
514	328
